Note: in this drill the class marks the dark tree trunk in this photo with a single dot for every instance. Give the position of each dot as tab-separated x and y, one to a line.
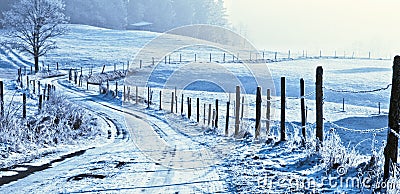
36	63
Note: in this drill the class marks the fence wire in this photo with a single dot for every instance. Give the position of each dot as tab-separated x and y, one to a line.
358	92
357	130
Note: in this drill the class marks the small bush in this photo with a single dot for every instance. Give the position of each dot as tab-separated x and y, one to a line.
59	122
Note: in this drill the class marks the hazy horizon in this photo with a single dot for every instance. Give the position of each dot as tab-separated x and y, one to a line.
343	26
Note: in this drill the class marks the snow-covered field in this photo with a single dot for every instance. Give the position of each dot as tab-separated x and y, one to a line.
227	164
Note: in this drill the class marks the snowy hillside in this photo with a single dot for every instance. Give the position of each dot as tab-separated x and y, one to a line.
153	150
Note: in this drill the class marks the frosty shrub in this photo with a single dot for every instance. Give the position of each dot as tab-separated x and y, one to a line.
59	122
334	154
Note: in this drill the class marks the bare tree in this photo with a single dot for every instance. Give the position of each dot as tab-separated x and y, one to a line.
33	24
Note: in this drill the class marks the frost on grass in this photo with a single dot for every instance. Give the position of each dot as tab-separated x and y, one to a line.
59	123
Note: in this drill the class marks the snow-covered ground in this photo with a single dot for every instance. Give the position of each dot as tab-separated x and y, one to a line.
193	159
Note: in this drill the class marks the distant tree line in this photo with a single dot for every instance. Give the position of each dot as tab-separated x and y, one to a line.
121	14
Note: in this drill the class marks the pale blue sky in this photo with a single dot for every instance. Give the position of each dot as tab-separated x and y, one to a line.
342	25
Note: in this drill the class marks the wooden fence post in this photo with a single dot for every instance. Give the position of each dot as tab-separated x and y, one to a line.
40	102
258	113
343	105
102	71
127	68
216	113
24	105
237	111
115	67
268	116
34	86
242	113
129	93
2	98
38	87
180	58
140	65
48	91
198	110
116	89
148	97
283	108
379	107
209	114
57	66
124	94
319	105
227	118
210	58
182	106
224	58
137	98
391	148
213	119
108	86
195	57
303	109
172	102
153	61
27	82
165	59
21	81
76	77
176	102
160	99
189	101
204	114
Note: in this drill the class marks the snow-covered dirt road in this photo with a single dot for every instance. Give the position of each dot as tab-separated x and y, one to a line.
145	154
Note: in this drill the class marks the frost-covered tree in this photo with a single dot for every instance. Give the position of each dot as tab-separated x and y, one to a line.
184	12
217	14
33	24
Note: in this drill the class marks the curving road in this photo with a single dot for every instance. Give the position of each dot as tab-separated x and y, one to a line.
145	155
